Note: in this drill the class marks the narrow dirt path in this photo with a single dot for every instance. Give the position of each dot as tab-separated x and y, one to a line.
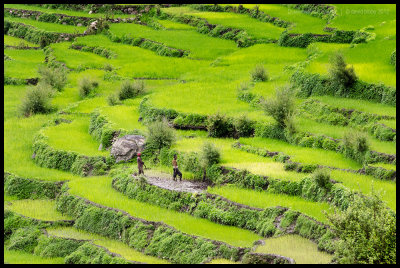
165	181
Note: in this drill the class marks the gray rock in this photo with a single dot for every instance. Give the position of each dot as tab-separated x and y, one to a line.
125	148
101	147
79	25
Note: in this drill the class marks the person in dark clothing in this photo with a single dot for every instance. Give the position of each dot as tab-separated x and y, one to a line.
140	164
176	170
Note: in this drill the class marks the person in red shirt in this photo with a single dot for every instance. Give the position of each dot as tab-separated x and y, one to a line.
176	170
140	163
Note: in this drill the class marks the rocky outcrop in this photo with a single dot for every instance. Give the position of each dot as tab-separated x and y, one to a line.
125	148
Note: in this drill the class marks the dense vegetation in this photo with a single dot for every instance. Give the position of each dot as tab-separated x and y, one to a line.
282	115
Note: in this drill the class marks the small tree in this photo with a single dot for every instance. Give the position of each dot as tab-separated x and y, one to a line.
159	135
355	145
37	100
366	232
131	89
86	86
259	73
209	154
282	107
340	73
56	76
322	178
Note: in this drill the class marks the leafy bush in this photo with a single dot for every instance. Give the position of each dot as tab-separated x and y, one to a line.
322	178
355	145
340	73
131	89
86	86
113	99
159	135
259	73
282	107
393	58
210	155
244	126
220	126
56	76
366	232
37	100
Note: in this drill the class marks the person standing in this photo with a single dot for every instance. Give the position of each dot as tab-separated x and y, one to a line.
176	170
140	163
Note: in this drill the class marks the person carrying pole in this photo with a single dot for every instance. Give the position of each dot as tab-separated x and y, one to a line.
176	170
140	163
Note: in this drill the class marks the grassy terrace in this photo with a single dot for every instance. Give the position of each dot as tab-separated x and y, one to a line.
112	245
21	257
252	26
303	154
38	209
231	157
132	61
200	45
98	190
14	41
337	132
377	67
357	16
364	184
61	11
74	137
264	199
303	23
24	64
50	27
18	138
296	247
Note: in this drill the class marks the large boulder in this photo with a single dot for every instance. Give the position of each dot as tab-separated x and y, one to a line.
125	148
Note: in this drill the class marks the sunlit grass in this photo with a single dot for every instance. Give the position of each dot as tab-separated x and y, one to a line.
25	63
62	11
365	183
235	158
99	190
50	27
172	25
38	209
18	139
303	23
222	261
112	245
302	250
384	165
21	257
74	137
252	26
303	154
262	199
200	45
359	105
15	41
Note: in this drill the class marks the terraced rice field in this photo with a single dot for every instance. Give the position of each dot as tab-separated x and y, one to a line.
67	199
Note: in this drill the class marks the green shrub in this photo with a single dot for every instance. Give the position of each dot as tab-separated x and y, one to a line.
282	107
366	232
210	155
355	145
340	73
259	73
131	89
87	86
56	76
393	58
37	100
219	126
113	99
159	135
322	178
91	254
244	126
